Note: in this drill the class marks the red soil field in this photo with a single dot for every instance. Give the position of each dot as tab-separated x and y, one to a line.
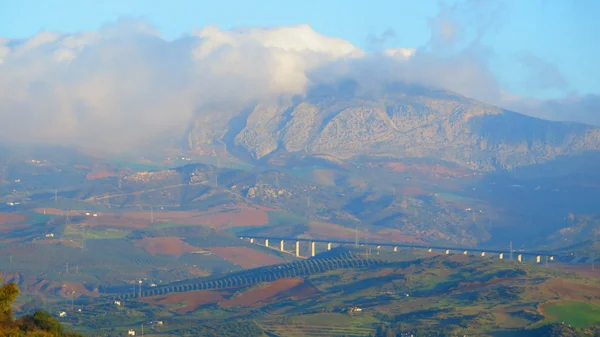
411	191
192	299
245	257
8	241
220	218
233	218
567	289
67	288
165	245
159	215
116	221
299	292
99	175
7	228
256	295
584	270
7	218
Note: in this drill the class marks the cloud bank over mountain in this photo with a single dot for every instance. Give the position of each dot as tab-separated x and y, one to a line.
124	86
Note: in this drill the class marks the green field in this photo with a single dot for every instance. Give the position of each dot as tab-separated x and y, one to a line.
95	233
577	314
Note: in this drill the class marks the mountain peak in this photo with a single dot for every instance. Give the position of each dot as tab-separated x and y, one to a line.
345	121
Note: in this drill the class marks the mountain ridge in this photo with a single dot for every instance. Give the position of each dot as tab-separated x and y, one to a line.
345	122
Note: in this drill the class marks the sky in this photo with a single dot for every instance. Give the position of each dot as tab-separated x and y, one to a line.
559	32
537	56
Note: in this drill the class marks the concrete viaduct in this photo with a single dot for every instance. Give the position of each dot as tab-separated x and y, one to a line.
278	243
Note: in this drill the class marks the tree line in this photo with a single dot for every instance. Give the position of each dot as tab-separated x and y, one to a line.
250	277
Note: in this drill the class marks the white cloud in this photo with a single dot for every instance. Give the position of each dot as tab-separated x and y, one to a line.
124	86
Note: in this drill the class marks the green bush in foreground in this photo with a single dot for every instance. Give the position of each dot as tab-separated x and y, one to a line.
39	324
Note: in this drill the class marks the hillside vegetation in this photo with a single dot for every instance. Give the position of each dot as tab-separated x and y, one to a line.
38	324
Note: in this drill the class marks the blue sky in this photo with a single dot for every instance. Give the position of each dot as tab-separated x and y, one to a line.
559	34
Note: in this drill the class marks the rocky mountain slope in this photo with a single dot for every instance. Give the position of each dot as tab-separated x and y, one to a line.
344	121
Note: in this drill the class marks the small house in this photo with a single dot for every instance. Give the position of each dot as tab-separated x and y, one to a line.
62	314
355	309
118	303
131	332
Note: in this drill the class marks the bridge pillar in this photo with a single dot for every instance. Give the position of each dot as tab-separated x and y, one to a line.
447	251
520	258
251	240
395	249
465	252
538	259
282	246
312	249
297	248
482	254
501	256
266	242
328	246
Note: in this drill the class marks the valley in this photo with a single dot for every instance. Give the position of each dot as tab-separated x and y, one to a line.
165	243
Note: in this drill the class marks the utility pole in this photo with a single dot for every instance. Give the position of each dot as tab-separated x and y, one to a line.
55	195
510	249
151	214
594	250
356	238
277	179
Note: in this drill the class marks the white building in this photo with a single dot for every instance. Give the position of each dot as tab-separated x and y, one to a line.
131	332
118	303
62	314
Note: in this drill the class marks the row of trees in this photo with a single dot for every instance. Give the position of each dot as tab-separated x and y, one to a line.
548	330
231	329
299	268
